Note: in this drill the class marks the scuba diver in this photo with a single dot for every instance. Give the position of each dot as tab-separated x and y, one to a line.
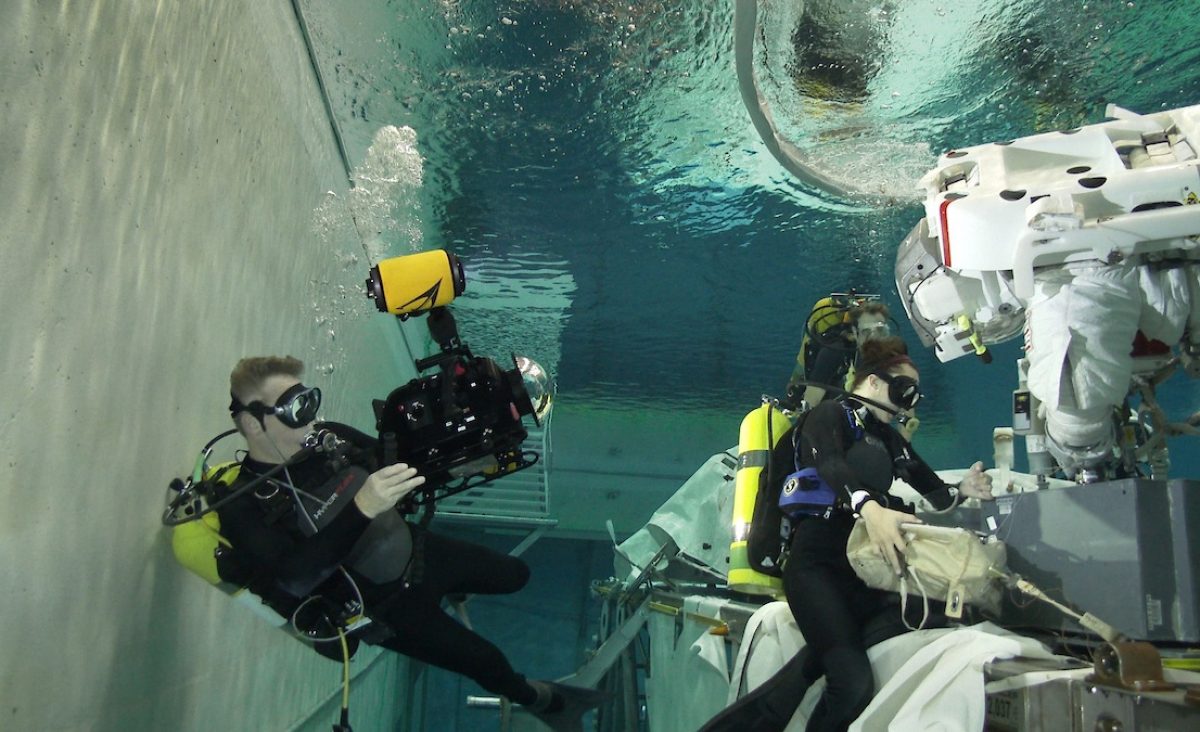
845	455
321	538
837	325
836	328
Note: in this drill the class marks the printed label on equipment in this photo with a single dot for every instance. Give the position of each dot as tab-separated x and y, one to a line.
1003	710
1154	613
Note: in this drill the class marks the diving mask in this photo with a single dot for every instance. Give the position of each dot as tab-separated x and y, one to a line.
872	330
296	407
903	391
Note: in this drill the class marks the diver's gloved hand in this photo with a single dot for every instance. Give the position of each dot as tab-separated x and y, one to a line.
385	487
977	484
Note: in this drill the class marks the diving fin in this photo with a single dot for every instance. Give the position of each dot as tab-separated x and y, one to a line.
567	705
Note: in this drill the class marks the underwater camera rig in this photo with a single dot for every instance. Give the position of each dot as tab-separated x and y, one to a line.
461	425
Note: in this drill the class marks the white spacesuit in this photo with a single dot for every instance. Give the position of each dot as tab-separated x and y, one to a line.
1088	240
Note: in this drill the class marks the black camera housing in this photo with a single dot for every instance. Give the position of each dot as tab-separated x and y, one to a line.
461	423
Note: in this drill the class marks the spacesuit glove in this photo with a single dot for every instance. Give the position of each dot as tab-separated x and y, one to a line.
883	527
977	484
385	487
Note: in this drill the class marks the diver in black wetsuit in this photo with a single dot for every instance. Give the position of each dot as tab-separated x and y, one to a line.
856	454
835	329
319	529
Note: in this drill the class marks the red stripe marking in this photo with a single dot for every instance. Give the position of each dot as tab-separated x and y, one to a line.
945	232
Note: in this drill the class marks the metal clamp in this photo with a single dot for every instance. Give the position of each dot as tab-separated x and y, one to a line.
1130	665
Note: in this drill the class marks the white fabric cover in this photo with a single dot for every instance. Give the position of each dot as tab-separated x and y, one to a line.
698	517
769	641
925	680
933	679
689	671
1081	323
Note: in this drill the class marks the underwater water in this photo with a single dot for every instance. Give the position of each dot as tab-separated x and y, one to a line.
592	163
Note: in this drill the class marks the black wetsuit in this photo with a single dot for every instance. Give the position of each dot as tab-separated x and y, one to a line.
826	361
839	616
829	364
402	571
852	451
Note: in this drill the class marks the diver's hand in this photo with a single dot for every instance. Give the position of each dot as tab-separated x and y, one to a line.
883	526
385	487
977	484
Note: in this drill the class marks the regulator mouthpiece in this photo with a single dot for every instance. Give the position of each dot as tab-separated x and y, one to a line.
416	283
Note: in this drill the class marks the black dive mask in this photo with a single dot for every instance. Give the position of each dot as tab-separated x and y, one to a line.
903	391
296	407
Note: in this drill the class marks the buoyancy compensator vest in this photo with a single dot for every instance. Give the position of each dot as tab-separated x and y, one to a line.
804	491
769	529
199	546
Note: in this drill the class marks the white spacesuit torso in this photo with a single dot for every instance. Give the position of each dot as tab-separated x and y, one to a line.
1084	240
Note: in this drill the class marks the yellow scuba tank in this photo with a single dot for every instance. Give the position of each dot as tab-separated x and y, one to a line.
196	543
826	313
760	429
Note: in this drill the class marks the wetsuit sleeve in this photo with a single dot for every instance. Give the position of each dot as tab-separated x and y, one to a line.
824	438
917	473
295	564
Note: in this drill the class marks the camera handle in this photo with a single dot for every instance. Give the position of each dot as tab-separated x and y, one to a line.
444	331
442	327
391	448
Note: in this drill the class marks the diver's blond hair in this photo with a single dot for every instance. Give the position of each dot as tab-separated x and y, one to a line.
249	374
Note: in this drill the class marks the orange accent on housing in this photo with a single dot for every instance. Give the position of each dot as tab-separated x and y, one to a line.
945	229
